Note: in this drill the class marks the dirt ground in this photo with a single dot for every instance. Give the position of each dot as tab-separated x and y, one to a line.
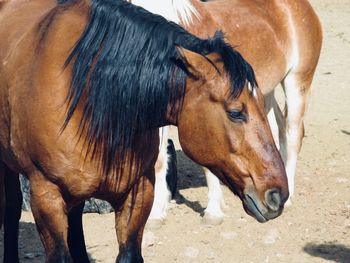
315	229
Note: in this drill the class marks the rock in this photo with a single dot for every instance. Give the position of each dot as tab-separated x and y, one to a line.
148	239
341	180
211	255
229	235
94	205
191	252
31	255
25	187
271	236
154	224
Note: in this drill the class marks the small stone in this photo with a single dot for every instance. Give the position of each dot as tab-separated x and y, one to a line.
332	163
29	255
211	255
154	224
191	252
271	236
341	180
148	239
229	235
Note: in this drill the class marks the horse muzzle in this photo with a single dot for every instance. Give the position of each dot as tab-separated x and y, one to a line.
264	210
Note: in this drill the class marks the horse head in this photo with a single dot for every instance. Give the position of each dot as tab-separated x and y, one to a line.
222	125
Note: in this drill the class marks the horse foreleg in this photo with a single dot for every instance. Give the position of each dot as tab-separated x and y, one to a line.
277	123
13	205
131	219
213	214
296	92
76	239
50	214
162	194
272	116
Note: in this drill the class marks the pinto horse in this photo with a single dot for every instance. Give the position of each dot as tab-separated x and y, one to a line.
85	86
281	39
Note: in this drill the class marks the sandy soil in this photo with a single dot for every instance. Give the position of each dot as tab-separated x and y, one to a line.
315	229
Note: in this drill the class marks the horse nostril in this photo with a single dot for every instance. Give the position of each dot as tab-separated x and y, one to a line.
273	199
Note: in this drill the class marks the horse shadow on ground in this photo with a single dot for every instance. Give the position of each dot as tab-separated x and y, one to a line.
345	132
30	247
190	175
329	251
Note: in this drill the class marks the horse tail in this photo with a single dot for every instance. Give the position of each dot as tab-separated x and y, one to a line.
2	198
171	175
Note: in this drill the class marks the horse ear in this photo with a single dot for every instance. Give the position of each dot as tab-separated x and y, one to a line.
193	64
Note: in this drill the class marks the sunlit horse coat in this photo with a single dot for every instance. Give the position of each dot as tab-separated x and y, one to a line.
85	86
282	41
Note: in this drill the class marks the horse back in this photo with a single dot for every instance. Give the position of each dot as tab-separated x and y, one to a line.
266	32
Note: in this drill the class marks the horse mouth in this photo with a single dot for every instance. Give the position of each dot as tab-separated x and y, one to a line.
250	200
249	204
252	209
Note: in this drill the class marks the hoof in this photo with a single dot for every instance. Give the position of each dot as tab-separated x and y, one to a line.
153	224
211	220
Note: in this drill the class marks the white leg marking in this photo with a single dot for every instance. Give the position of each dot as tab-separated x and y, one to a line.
162	194
281	123
213	214
296	104
274	127
269	108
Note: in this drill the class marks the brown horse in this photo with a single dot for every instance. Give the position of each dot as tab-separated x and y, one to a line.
281	39
84	87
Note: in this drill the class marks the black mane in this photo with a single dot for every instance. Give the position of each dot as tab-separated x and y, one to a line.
124	65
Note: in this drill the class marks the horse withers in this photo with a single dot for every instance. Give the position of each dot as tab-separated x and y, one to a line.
85	86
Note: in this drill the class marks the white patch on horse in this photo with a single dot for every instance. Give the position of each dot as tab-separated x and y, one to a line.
295	105
274	127
294	55
215	195
294	101
178	11
252	90
162	194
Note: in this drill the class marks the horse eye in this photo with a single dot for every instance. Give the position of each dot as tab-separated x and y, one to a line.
237	116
